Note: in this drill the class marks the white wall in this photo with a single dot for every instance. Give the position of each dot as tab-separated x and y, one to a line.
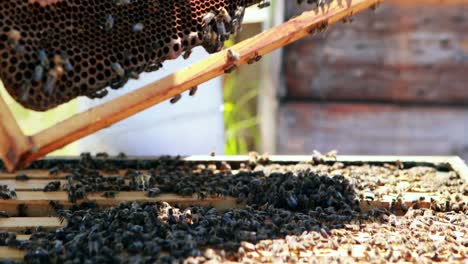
192	126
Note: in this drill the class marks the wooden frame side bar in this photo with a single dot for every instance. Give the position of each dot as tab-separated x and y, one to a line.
105	115
13	143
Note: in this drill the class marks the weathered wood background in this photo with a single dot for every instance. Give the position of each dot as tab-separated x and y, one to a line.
392	82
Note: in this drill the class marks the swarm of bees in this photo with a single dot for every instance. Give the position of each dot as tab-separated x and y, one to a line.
299	206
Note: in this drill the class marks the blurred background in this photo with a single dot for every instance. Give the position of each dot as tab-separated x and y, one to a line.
393	82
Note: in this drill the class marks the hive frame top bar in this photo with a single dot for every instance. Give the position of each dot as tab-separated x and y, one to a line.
18	150
454	163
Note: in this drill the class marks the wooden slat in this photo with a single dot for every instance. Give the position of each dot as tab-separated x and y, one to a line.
44	174
376	129
120	108
411	54
13	143
22	237
346	159
38	202
29	185
17	224
11	253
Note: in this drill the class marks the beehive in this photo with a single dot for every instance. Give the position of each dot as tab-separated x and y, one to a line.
239	209
54	51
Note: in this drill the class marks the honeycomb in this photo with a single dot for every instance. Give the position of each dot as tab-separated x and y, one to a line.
53	51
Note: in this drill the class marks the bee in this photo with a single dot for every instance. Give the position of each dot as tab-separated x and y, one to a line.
318	2
56	205
374	6
25	87
221	28
102	155
4	214
57	59
223	18
80	193
109	194
109	24
223	15
211	42
20	49
322	27
118	69
7	195
54	171
232	55
122	2
153	67
138	27
187	54
22	210
58	64
240	198
71	195
175	99
264	4
230	69
22	177
254	59
208	18
52	78
193	91
347	20
132	75
99	94
186	191
38	73
44	59
118	84
153	192
66	63
324	233
52	186
14	37
238	20
291	200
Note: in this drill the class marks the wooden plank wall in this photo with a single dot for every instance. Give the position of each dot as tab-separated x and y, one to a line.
392	82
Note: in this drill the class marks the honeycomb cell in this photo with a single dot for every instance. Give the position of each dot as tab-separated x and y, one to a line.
70	46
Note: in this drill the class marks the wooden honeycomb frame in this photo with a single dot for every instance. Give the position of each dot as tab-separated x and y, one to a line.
17	150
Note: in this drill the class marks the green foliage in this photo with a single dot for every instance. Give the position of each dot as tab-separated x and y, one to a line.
240	118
